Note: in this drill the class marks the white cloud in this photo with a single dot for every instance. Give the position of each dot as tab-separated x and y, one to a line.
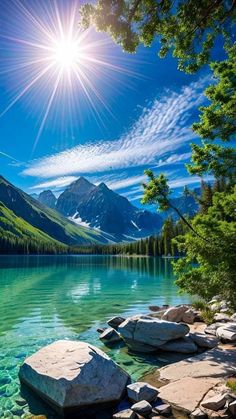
162	128
60	182
194	180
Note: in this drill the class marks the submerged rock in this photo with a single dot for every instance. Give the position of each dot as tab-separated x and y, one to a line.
144	331
141	391
72	375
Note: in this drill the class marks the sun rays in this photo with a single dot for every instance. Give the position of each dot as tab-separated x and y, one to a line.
55	61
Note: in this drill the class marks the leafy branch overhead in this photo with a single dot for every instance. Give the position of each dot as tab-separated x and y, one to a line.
188	28
217	123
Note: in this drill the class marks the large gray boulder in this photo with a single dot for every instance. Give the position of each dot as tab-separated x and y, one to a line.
144	331
175	314
72	374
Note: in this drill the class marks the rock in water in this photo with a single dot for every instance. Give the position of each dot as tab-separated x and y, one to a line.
72	375
110	335
115	321
142	331
141	391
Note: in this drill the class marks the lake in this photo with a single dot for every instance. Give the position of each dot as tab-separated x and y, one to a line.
45	298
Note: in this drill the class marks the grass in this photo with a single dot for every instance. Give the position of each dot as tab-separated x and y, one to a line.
231	383
200	304
207	315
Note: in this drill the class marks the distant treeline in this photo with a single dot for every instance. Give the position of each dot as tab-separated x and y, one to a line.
12	245
150	246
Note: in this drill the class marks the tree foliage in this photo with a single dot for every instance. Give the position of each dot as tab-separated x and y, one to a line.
210	268
217	123
187	28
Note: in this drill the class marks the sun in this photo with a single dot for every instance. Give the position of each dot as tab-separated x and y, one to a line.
66	54
58	61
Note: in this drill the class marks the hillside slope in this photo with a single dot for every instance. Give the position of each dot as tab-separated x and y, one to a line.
45	219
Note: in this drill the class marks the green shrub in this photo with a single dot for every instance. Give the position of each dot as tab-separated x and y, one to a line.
208	315
231	383
199	304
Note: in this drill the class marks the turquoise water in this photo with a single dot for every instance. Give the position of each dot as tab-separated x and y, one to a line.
44	298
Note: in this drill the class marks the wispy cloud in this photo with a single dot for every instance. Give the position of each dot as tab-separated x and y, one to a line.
162	128
55	183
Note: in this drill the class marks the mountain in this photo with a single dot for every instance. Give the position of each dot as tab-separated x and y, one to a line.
186	204
45	220
73	194
47	198
101	208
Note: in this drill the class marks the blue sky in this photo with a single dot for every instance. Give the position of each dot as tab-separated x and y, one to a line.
136	112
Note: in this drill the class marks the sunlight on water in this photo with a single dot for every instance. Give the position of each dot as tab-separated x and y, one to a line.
43	299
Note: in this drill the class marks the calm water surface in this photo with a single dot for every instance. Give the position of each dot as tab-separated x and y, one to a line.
68	297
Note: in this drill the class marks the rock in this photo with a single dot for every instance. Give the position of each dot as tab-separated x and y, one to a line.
74	374
175	314
185	394
100	330
227	332
162	409
154	308
214	403
211	329
150	331
204	341
125	414
215	364
115	321
233	317
232	408
221	317
189	316
110	335
142	408
215	307
183	345
221	414
198	414
141	391
224	310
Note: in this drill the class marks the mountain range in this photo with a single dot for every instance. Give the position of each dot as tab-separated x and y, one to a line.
100	208
83	213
